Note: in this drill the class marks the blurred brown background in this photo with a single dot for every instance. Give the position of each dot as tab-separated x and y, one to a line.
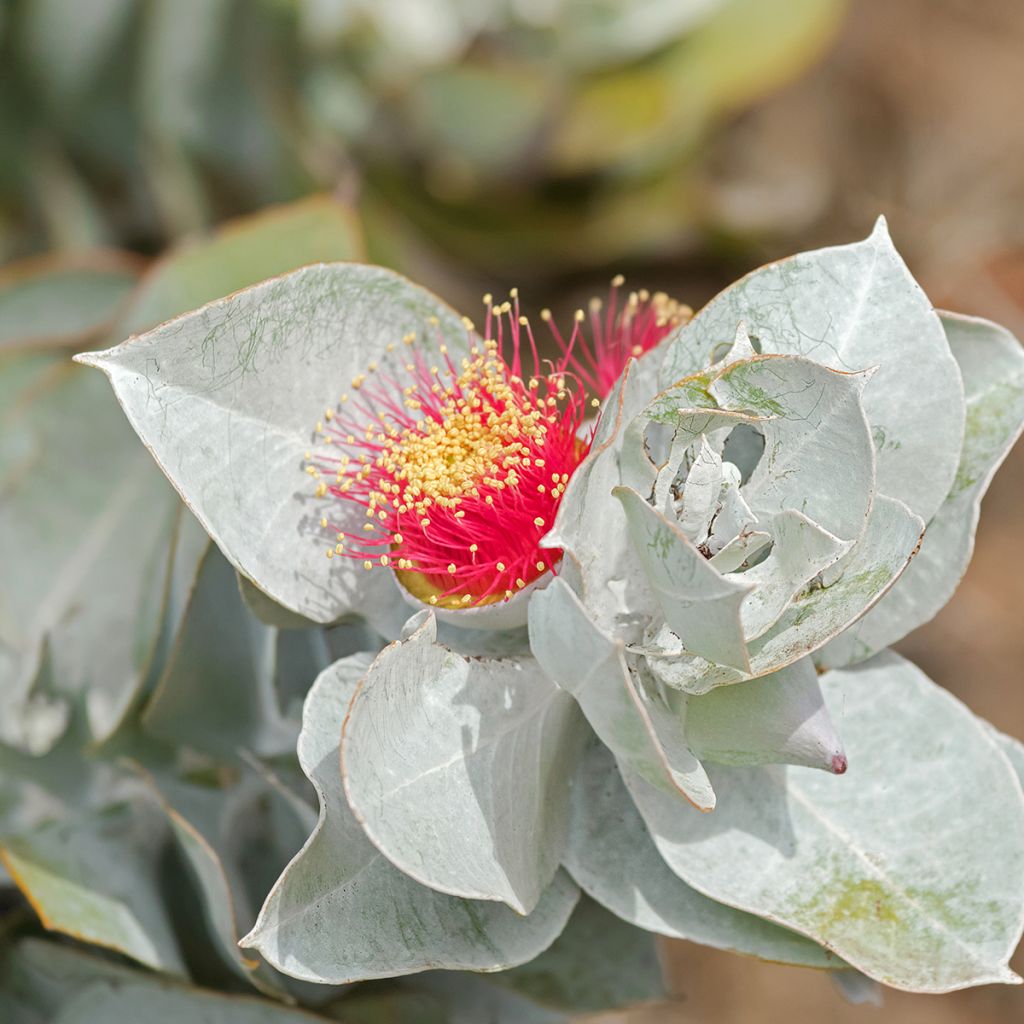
915	114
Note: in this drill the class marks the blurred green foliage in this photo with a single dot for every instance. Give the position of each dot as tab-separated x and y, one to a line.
508	131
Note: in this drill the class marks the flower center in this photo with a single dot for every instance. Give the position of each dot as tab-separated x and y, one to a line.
460	467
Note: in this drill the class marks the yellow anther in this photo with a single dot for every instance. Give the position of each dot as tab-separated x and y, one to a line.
323	523
541	567
618	281
385	561
367	565
451	568
538	521
500	566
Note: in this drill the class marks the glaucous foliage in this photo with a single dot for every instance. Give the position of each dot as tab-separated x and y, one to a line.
699	726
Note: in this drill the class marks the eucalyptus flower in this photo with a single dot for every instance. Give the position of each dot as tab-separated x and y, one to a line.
651	577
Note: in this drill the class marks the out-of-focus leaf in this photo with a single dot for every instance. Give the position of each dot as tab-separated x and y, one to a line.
55	983
458	769
85	532
615	30
909	867
69	42
93	876
341	912
197	816
598	963
44	974
852	307
469	998
991	363
656	110
217	692
105	1004
612	858
857	989
63	300
243	253
227	399
268	611
485	117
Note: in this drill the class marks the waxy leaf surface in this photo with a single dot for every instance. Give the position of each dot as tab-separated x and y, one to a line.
458	768
991	362
342	912
643	727
852	307
909	867
613	859
227	399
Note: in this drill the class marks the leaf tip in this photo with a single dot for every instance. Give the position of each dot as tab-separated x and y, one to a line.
89	359
839	764
881	230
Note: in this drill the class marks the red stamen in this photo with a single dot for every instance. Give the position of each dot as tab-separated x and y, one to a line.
461	468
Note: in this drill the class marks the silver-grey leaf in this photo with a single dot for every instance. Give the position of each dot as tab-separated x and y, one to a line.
852	307
820	612
342	912
458	768
780	718
613	859
991	362
227	399
642	726
909	867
